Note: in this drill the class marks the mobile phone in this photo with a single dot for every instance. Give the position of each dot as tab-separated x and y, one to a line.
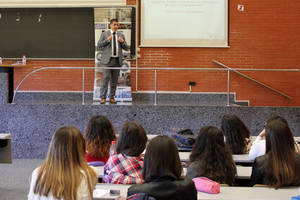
114	192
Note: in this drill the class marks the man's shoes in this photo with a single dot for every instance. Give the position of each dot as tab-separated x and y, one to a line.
102	101
112	101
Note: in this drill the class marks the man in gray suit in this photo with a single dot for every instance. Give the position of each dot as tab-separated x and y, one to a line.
111	43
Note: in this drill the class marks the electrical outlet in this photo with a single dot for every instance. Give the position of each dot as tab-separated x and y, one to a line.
192	83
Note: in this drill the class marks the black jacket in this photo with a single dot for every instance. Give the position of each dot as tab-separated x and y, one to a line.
167	188
260	167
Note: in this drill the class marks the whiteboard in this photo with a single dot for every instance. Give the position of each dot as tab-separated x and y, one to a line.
184	23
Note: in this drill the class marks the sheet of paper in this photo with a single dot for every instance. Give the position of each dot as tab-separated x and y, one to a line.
100	193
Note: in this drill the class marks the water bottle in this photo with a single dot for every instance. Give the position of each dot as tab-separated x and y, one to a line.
112	149
24	60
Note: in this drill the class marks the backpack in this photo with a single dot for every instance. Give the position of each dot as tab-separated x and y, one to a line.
184	138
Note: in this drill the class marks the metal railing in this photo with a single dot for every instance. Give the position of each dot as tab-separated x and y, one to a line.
158	69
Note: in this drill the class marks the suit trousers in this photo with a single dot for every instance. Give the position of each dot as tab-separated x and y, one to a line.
110	76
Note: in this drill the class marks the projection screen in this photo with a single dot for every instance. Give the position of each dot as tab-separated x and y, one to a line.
184	23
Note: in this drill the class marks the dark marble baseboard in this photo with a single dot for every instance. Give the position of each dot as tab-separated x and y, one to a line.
184	99
53	97
32	125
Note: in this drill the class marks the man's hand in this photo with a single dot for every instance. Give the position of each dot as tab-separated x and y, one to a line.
109	37
120	40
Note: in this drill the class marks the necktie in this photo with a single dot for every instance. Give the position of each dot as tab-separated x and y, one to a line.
114	44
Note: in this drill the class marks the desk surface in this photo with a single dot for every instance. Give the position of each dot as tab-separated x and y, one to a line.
227	193
149	136
242	172
242	158
4	136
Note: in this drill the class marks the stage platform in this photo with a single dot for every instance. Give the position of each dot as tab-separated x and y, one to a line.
32	125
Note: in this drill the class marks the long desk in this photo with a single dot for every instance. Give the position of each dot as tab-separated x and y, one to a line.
242	158
102	192
297	139
242	172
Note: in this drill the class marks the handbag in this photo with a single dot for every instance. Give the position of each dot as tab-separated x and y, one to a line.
206	185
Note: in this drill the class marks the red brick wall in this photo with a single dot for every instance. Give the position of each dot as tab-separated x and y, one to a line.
55	79
265	35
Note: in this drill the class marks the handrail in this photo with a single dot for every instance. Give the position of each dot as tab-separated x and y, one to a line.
251	79
151	68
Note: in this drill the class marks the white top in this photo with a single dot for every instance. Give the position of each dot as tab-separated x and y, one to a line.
82	193
258	148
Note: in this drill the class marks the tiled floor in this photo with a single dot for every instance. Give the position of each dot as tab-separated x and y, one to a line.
15	178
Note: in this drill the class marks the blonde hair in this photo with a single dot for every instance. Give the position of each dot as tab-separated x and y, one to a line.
62	171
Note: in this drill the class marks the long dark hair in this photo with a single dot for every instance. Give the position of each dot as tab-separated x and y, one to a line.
282	167
161	159
235	132
99	134
213	157
132	140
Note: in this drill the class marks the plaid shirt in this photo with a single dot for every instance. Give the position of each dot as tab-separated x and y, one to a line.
122	169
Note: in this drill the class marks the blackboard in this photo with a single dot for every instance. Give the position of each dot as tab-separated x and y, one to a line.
47	32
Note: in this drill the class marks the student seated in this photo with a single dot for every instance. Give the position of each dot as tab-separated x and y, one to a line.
64	174
98	136
258	147
211	158
280	166
125	167
162	173
237	134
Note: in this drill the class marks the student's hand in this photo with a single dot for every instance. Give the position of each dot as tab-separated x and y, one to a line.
109	37
120	40
262	133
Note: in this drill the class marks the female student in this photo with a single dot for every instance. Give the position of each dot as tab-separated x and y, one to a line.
280	166
64	174
211	158
125	167
99	135
258	147
162	173
237	134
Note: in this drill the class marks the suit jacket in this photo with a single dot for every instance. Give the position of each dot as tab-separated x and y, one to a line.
166	188
105	46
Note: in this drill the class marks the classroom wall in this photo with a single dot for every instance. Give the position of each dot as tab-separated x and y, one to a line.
265	35
59	3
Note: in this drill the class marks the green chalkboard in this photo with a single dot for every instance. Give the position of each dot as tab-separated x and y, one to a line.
47	32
